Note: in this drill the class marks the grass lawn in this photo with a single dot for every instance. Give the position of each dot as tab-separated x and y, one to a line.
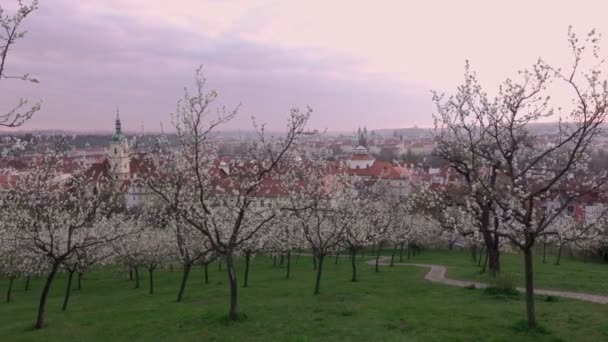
393	305
572	274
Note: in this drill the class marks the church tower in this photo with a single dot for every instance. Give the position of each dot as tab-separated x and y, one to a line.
118	155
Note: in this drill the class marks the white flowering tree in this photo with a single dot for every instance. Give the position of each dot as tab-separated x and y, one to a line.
316	200
356	224
52	213
285	237
191	248
511	170
217	199
16	261
10	32
157	249
83	259
576	232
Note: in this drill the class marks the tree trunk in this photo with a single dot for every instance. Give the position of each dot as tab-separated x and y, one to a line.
393	256
378	251
474	253
206	273
130	272
274	260
319	271
182	287
353	262
544	252
233	314
282	259
409	248
219	266
136	277
151	273
494	261
79	281
68	290
9	290
246	276
297	257
485	262
170	267
482	254
492	248
40	321
559	254
401	252
337	256
314	261
530	311
27	283
288	265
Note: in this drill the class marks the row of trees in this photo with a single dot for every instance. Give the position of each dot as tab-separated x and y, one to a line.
63	214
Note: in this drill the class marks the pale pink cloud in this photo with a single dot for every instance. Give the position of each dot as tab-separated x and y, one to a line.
355	62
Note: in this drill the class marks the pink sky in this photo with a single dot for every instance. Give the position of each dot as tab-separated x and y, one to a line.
354	62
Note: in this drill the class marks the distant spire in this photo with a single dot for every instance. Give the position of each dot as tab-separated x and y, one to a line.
118	136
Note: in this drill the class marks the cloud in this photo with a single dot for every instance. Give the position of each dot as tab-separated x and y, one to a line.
90	61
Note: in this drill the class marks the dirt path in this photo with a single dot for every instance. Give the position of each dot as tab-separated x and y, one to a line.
436	274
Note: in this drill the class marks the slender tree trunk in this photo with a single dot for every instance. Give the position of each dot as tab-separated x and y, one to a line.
297	257
378	251
485	262
319	271
233	314
288	265
151	273
136	277
530	311
401	252
170	267
314	261
27	283
68	290
409	248
79	281
182	287
206	273
246	276
219	266
393	256
282	259
337	256
40	321
559	254
353	262
130	272
482	254
494	261
10	289
274	260
492	248
474	253
544	252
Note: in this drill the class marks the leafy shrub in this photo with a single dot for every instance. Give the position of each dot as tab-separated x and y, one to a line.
551	299
503	286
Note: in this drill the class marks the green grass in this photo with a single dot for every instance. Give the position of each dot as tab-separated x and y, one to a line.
396	304
573	274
